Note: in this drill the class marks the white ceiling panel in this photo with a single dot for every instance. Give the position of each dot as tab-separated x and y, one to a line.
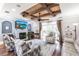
14	9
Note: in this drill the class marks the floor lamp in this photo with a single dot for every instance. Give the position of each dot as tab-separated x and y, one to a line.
75	25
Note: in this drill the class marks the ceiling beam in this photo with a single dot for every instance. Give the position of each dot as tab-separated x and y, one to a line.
44	19
48	8
25	14
42	8
52	4
34	8
47	14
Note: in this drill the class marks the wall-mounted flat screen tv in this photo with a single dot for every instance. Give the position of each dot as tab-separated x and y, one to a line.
20	24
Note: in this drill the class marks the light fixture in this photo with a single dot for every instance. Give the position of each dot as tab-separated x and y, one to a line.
13	9
7	27
75	24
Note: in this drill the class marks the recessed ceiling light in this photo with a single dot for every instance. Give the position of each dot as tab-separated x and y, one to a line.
75	24
13	9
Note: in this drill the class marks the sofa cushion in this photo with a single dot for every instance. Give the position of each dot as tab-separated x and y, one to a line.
50	40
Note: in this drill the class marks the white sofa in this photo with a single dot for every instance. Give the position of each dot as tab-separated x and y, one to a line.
46	49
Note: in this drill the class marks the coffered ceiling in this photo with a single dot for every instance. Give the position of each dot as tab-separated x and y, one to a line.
42	10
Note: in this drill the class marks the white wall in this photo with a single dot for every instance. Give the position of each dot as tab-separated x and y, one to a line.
34	24
3	19
70	15
69	21
13	15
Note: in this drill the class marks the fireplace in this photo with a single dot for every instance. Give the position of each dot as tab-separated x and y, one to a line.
22	35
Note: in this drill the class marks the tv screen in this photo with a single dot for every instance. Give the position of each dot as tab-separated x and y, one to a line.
20	24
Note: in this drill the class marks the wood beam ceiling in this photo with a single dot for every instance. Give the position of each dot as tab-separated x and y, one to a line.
48	8
25	14
55	12
42	8
45	9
